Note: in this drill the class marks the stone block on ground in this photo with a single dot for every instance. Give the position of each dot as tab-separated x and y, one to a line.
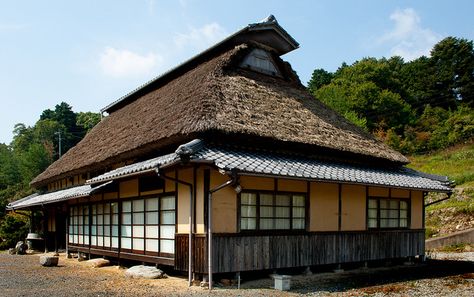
21	248
49	261
282	282
142	271
97	263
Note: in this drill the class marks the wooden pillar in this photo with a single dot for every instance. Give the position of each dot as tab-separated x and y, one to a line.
67	230
339	207
53	225
45	229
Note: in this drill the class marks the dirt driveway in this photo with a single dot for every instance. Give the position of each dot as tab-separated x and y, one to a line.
23	276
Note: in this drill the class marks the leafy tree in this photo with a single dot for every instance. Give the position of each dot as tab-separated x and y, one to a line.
67	119
462	123
87	120
355	119
13	228
438	128
415	106
9	173
453	61
22	137
417	78
33	161
319	78
62	114
45	130
31	151
369	89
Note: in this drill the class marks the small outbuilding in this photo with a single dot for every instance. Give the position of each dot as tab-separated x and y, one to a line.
226	164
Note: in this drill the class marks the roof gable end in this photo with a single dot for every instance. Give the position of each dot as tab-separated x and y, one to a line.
261	61
267	32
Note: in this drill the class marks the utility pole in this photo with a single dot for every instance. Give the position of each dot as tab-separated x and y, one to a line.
59	142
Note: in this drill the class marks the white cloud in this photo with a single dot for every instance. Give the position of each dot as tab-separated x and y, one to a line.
124	63
408	38
200	38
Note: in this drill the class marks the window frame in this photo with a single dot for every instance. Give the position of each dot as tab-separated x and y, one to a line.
274	206
379	218
76	212
79	223
145	212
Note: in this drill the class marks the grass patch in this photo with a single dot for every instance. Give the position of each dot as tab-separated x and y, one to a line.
432	226
460	206
456	162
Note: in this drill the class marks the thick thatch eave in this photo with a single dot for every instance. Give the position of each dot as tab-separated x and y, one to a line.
217	97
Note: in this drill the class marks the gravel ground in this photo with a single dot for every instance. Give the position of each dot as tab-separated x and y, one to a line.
448	274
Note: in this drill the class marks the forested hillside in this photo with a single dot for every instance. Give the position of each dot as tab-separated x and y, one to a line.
416	106
35	148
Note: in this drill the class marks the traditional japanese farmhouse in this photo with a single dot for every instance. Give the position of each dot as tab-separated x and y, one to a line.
227	164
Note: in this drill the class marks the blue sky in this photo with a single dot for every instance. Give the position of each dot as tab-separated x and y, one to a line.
90	53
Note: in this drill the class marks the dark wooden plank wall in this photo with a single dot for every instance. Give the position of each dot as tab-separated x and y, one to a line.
237	252
199	250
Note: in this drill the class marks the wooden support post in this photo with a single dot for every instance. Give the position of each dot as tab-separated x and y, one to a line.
45	229
67	232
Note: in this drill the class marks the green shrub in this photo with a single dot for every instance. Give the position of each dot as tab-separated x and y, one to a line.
429	232
457	247
435	129
13	228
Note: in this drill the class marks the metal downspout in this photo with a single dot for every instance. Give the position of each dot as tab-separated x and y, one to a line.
191	213
209	226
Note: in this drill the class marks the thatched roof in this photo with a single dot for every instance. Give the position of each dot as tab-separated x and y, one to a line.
268	33
218	98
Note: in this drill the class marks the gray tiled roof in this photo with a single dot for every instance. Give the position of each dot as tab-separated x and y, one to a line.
133	169
36	199
258	162
273	164
255	162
